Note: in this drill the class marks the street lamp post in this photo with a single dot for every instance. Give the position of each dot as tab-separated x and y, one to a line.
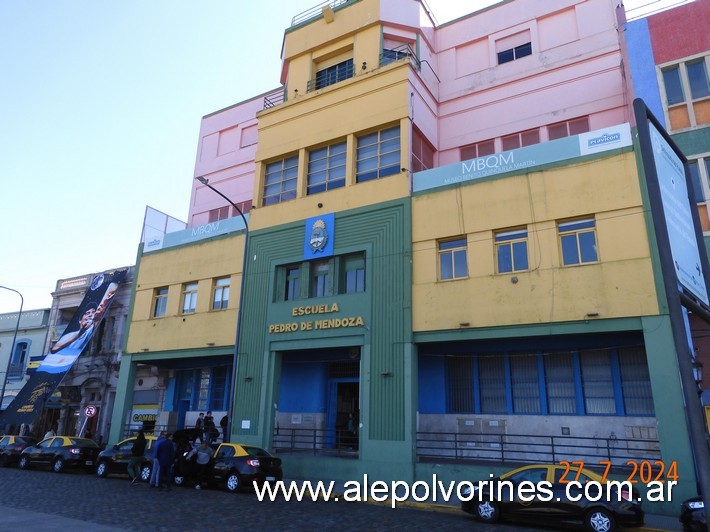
230	412
12	346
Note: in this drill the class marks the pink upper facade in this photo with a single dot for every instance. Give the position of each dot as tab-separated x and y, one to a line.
461	95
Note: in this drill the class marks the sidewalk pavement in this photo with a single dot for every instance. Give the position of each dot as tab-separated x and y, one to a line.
653	522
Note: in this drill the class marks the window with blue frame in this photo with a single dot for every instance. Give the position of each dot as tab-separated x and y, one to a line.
459	391
334	74
326	168
593	382
378	155
205	388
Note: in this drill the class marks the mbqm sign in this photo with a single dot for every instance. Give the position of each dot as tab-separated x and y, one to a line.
319	236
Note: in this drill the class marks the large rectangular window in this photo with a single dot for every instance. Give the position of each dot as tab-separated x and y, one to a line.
635	382
352	276
560	384
452	259
334	74
578	241
480	149
320	279
220	293
160	301
525	384
491	382
511	54
511	250
592	382
459	396
280	181
687	92
378	154
189	298
597	382
326	168
293	283
568	128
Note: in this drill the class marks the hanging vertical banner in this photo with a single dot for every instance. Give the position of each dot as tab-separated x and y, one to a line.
63	354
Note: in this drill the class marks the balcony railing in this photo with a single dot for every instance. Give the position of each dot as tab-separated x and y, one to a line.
316	442
528	448
274	98
396	54
315	12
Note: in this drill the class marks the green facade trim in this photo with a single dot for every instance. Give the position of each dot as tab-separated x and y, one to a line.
383	232
590	326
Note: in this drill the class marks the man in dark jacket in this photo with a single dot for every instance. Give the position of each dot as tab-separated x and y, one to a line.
137	452
166	456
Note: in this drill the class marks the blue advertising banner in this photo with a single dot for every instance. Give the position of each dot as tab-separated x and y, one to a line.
319	237
34	394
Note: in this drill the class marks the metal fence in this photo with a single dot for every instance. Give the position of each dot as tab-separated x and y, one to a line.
318	442
529	448
316	11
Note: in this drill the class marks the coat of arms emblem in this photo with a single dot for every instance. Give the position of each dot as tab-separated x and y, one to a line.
319	236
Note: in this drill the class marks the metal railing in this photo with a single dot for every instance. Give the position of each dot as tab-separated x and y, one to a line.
316	442
529	448
396	54
315	12
275	98
331	76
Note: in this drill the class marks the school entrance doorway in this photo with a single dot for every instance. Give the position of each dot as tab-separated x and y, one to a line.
319	403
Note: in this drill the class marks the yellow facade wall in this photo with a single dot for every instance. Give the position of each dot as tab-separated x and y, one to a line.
619	285
202	263
340	113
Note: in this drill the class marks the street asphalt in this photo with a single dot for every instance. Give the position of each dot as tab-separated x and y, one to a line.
42	501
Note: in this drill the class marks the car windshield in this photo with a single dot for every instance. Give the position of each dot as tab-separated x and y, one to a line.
83	442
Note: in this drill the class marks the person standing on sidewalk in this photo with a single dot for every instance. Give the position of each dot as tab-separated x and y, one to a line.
166	456
155	473
209	427
137	452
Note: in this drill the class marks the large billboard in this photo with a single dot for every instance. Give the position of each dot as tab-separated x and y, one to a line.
61	357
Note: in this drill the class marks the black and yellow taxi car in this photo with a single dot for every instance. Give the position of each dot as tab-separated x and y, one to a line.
232	466
562	499
11	447
115	459
61	452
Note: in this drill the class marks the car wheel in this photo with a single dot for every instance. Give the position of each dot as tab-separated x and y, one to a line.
487	511
24	462
178	480
102	469
599	520
234	481
4	460
145	472
58	465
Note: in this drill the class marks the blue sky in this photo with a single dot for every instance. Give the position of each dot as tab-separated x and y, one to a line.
100	109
